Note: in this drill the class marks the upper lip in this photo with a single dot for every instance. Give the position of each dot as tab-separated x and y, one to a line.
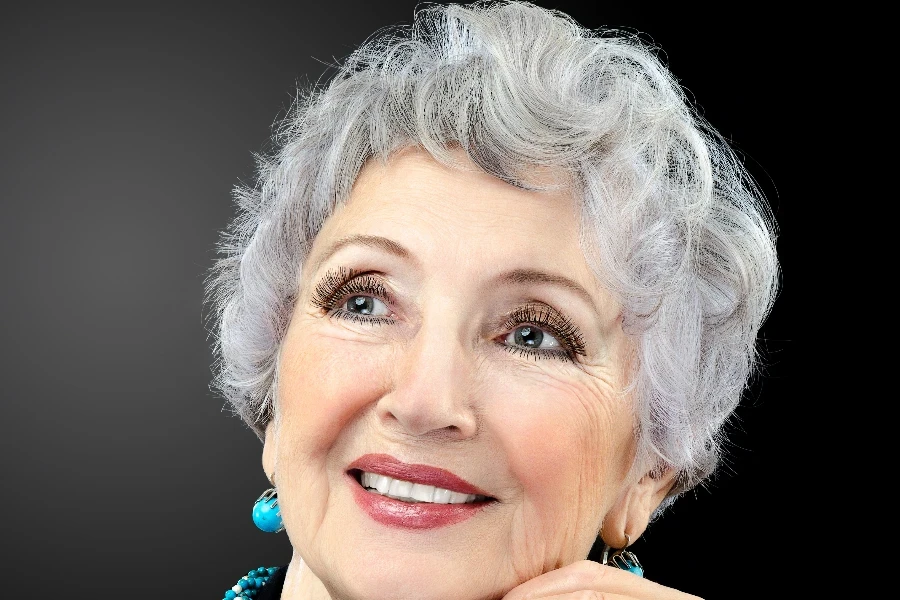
385	464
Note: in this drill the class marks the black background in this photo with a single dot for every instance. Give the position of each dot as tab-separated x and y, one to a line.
124	127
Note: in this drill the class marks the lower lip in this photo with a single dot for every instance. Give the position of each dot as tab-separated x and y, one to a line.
411	515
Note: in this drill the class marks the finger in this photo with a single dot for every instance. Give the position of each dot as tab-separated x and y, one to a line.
589	576
588	595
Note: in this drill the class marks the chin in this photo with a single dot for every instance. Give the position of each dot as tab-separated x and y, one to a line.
384	574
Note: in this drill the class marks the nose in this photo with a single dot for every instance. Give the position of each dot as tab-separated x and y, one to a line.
433	386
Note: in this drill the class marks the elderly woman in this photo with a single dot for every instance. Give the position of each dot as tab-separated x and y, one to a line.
493	296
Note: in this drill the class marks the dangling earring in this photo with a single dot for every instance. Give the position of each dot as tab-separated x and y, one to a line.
267	513
622	558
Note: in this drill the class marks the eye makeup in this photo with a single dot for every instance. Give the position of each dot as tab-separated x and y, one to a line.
338	285
548	318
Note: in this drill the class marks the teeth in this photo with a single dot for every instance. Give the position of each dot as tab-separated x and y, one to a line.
422	493
458	498
414	492
381	483
400	488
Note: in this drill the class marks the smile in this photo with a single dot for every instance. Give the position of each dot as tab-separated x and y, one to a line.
411	496
408	491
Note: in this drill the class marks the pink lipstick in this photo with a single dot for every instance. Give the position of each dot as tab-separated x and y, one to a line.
409	514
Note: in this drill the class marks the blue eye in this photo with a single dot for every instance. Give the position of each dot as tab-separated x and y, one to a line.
366	305
347	294
538	330
529	336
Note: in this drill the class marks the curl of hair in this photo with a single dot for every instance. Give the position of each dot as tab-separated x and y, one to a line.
672	223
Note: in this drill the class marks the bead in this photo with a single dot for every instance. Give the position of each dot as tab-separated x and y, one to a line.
266	516
249	585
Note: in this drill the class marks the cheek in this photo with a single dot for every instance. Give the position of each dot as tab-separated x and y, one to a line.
323	384
568	447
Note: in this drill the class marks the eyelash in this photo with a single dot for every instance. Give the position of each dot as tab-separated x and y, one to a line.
342	282
336	285
547	318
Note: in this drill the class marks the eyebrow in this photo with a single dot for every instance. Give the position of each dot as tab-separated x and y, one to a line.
519	276
372	241
516	276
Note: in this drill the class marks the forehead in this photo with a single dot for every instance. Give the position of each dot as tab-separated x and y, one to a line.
422	200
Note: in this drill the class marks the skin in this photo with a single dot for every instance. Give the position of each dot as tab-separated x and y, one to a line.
433	382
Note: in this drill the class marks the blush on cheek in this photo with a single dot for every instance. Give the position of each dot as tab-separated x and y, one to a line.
556	450
544	454
325	385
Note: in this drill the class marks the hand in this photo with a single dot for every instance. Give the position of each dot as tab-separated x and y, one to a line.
588	580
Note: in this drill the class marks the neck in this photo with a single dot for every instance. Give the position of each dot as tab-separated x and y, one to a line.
301	583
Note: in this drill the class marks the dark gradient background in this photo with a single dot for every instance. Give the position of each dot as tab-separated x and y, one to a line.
124	128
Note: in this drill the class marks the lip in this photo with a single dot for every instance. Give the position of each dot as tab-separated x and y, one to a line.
385	464
412	515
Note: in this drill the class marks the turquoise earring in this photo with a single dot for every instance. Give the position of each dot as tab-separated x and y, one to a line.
267	513
622	558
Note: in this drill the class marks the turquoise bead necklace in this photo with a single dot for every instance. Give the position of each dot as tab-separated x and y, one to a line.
250	584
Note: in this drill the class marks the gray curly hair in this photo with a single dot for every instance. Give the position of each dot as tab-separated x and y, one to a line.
685	236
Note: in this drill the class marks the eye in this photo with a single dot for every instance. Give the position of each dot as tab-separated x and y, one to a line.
530	336
538	330
365	305
359	297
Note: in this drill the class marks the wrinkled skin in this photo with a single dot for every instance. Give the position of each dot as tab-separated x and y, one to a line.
435	375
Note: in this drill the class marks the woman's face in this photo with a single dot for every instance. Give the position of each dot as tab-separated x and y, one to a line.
449	333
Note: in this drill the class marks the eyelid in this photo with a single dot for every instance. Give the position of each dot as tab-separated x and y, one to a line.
341	282
337	285
550	319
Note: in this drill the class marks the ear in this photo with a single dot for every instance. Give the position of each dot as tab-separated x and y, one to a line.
631	513
268	455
